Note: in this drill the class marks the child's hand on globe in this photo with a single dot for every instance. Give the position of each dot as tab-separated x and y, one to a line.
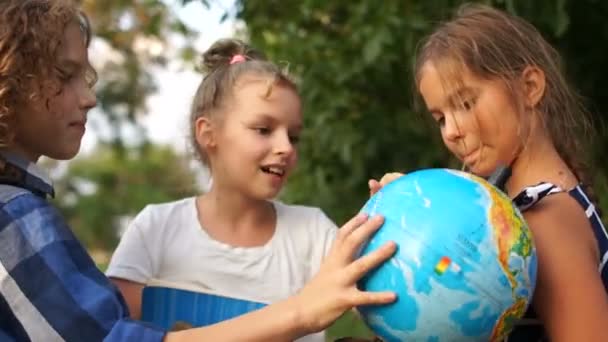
375	186
333	290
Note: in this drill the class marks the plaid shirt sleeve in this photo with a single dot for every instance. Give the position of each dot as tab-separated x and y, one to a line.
50	288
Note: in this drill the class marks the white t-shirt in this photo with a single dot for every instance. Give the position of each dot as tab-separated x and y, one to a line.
166	242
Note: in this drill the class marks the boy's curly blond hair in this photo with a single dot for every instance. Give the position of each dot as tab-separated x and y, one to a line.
30	35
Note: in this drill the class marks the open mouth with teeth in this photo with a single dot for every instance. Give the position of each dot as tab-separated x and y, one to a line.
273	170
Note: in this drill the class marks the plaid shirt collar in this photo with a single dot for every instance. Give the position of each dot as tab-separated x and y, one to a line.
17	171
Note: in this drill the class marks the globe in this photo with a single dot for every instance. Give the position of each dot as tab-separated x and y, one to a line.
465	266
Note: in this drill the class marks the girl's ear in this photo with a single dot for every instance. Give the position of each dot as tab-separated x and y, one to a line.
534	82
204	133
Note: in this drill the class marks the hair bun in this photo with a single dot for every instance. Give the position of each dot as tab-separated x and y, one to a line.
221	52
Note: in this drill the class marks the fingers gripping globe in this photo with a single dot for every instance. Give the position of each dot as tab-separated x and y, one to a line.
465	267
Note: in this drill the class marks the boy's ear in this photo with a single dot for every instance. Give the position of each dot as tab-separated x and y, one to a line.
204	132
534	83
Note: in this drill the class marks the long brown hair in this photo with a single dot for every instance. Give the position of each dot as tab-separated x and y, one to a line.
493	44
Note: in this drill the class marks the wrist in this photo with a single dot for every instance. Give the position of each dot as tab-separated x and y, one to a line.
295	315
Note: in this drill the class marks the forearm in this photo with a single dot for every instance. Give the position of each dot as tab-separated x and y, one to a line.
277	322
132	293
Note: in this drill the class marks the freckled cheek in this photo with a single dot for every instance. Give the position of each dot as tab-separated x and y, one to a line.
486	128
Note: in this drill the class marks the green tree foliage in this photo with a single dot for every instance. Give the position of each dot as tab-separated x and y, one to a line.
354	63
101	189
136	35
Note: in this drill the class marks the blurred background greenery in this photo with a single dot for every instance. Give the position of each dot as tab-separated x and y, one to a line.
353	61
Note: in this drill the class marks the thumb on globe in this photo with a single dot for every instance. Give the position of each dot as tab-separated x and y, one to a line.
375	186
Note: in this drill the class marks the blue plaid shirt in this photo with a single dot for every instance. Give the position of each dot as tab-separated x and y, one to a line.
50	288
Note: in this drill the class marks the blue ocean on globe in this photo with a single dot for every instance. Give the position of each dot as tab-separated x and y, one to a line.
465	267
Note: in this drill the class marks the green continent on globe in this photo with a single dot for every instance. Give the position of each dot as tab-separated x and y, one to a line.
512	236
523	245
507	320
511	232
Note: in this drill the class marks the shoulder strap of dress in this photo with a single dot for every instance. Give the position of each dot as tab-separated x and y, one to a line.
531	195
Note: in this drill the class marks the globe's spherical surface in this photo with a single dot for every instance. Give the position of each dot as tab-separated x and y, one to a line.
465	267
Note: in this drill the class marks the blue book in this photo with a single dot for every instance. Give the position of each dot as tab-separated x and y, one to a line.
174	307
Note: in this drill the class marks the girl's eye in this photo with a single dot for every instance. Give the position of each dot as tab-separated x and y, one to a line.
468	104
440	121
262	130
